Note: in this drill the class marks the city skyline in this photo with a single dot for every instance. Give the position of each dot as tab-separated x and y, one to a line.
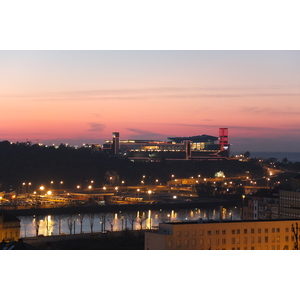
81	97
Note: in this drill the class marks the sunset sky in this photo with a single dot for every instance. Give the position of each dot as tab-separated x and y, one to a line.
80	97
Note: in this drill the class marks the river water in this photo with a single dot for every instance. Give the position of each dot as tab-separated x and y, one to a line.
135	220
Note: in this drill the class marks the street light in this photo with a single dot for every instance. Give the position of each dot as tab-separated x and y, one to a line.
149	193
243	197
169	216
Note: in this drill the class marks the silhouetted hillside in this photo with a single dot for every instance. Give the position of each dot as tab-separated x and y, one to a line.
23	162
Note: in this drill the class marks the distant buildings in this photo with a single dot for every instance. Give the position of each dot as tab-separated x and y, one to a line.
201	147
261	208
226	235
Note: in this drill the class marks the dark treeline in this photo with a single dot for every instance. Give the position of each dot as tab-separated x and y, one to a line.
24	162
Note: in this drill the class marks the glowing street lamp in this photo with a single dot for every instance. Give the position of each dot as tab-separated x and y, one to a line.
243	197
60	184
169	216
149	193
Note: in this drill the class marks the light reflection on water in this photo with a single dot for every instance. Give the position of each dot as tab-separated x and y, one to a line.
136	220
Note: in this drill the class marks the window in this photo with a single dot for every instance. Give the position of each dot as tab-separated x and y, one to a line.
194	242
286	229
278	238
245	231
266	230
245	248
238	240
266	239
252	230
217	241
223	231
273	230
186	233
273	247
277	229
218	232
286	238
186	243
245	240
238	231
252	239
223	241
233	241
259	239
209	232
232	231
232	248
273	239
252	248
259	230
178	233
201	242
194	232
292	238
178	243
201	232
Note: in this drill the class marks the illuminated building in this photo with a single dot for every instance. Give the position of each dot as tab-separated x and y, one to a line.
200	147
9	227
226	235
115	142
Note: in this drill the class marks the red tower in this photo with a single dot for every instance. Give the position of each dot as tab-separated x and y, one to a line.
223	138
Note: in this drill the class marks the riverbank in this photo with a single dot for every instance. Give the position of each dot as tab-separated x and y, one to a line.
114	208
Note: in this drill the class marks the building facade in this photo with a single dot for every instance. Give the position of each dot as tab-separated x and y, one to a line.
289	204
9	228
226	235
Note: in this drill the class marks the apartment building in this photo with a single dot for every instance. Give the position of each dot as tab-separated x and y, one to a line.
225	235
